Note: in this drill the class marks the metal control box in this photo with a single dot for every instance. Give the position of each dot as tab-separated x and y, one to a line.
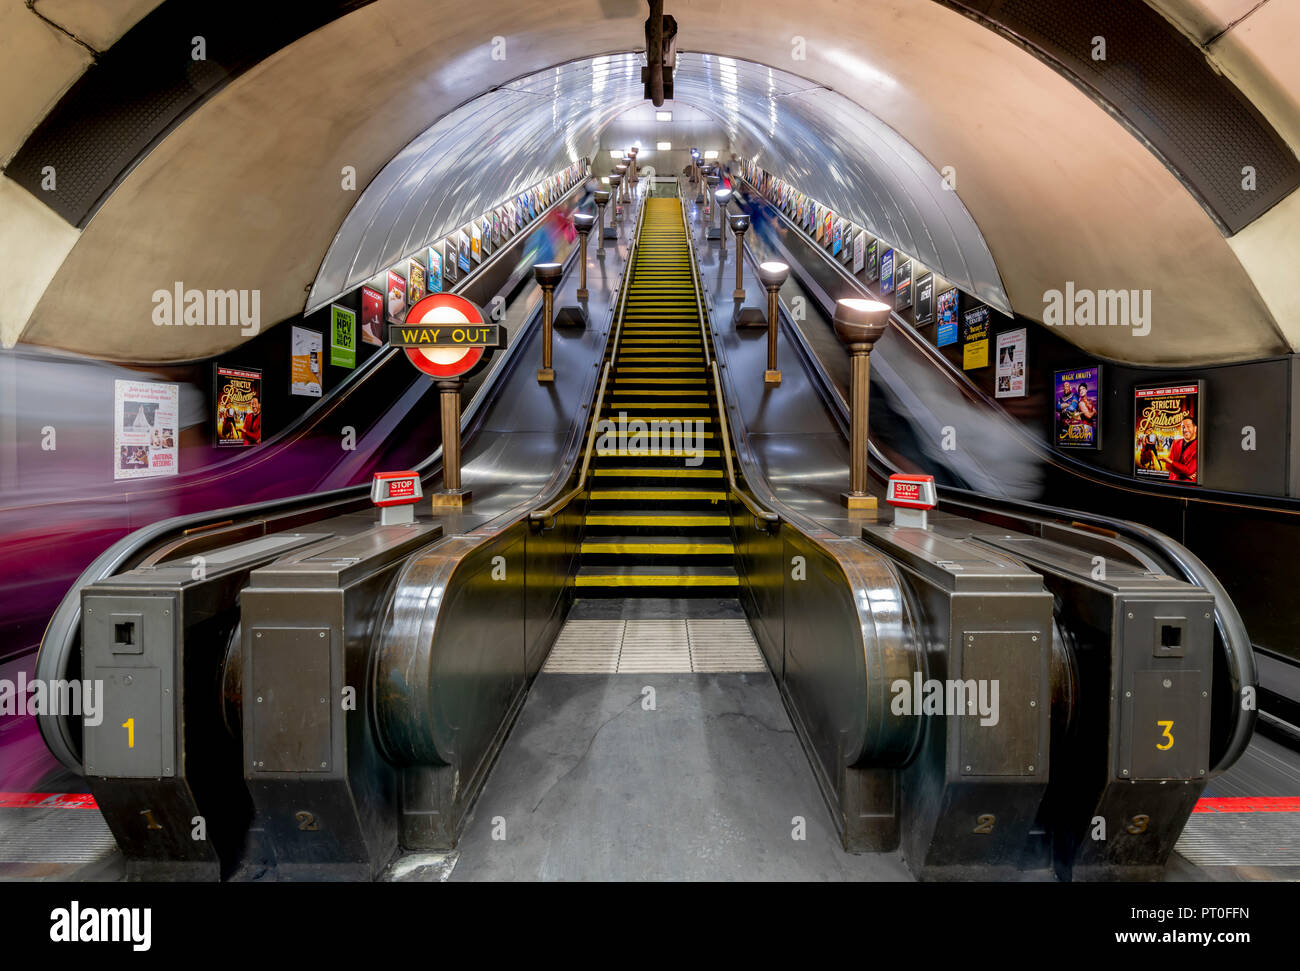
970	798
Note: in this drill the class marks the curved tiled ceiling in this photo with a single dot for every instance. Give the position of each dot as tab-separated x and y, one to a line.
499	143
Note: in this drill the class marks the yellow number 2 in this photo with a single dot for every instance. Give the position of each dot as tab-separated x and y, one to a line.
129	725
1168	733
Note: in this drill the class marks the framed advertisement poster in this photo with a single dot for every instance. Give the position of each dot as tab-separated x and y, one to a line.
476	242
414	282
343	336
837	238
485	234
946	315
463	257
1166	431
305	361
396	296
828	229
450	251
435	269
975	338
145	429
903	285
1013	352
887	272
237	393
923	311
872	273
372	316
859	252
1076	397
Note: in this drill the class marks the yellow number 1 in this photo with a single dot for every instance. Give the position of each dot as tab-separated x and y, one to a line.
1168	733
129	725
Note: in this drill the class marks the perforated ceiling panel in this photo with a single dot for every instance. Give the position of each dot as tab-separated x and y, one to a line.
1160	85
502	142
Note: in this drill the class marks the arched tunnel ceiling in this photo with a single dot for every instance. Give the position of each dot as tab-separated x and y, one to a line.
489	149
245	192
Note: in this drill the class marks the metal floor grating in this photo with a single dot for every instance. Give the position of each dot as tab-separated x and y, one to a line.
1263	839
41	835
710	646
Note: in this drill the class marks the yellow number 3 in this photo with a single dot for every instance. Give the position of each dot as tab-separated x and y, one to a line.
1168	733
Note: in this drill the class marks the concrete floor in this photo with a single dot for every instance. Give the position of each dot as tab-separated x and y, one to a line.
709	784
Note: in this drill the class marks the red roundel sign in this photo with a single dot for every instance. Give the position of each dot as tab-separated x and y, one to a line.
447	316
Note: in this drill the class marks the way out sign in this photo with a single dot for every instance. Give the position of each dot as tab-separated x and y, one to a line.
445	335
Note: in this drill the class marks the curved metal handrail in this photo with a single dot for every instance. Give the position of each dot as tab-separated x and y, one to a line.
540	516
757	511
766	516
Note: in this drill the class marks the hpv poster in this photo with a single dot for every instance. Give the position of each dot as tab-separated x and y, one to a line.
1166	438
145	429
343	336
372	316
1012	353
238	395
304	361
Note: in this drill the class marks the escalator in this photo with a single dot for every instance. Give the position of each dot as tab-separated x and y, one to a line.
654	522
639	650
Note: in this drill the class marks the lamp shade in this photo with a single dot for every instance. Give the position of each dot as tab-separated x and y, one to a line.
773	274
739	222
548	274
583	221
859	321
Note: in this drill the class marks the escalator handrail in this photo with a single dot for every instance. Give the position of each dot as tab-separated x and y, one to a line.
767	516
540	516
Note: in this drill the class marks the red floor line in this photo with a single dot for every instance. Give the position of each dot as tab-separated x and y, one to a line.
1236	804
47	800
1249	804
